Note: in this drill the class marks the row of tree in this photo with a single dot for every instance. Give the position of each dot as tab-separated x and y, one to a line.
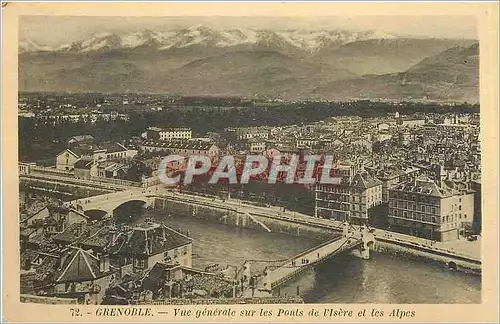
38	140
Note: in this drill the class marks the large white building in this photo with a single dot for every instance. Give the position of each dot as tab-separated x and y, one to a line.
166	134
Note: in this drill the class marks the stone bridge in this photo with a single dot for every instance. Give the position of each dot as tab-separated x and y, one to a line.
107	204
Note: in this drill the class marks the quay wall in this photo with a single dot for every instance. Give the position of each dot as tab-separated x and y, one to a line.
47	300
234	217
401	249
64	191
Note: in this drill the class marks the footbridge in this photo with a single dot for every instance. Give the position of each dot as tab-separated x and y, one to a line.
358	241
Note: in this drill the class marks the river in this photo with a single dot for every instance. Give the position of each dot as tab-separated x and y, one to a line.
345	279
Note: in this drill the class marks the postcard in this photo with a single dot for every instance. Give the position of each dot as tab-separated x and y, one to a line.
250	162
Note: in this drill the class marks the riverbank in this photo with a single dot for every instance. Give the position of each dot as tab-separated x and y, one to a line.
241	214
384	279
421	253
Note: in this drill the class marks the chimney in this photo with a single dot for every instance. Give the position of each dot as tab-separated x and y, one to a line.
79	228
112	236
148	245
104	263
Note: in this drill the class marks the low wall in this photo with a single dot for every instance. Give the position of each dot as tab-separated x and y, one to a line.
451	262
47	300
225	301
63	191
233	217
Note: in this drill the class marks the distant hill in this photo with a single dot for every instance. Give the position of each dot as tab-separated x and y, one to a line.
383	56
452	75
292	64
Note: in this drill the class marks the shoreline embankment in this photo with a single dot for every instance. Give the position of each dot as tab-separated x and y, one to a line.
258	218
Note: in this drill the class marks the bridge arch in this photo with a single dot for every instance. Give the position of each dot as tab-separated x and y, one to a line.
141	202
452	265
129	210
95	214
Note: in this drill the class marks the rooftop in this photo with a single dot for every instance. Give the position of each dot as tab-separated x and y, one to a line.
426	186
152	239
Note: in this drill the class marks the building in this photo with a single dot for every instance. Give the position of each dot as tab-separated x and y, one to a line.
66	159
166	134
110	169
80	139
383	136
476	223
150	243
352	199
392	176
306	142
256	145
176	281
84	169
181	147
383	126
410	122
83	276
423	208
366	193
243	133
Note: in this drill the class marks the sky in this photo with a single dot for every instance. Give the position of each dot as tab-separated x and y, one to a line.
57	30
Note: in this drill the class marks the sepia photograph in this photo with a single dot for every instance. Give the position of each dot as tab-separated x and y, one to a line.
232	159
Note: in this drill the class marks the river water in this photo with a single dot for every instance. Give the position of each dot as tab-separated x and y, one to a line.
345	279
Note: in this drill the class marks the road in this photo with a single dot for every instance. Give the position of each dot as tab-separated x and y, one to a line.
461	248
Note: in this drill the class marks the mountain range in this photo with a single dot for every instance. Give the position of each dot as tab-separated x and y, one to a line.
290	64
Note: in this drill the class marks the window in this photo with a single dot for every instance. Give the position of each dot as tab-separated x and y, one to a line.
139	263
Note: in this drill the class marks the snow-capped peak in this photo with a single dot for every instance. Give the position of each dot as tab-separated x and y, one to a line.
29	45
305	40
378	34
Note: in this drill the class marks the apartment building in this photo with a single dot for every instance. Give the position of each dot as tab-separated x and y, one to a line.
352	199
181	147
430	210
